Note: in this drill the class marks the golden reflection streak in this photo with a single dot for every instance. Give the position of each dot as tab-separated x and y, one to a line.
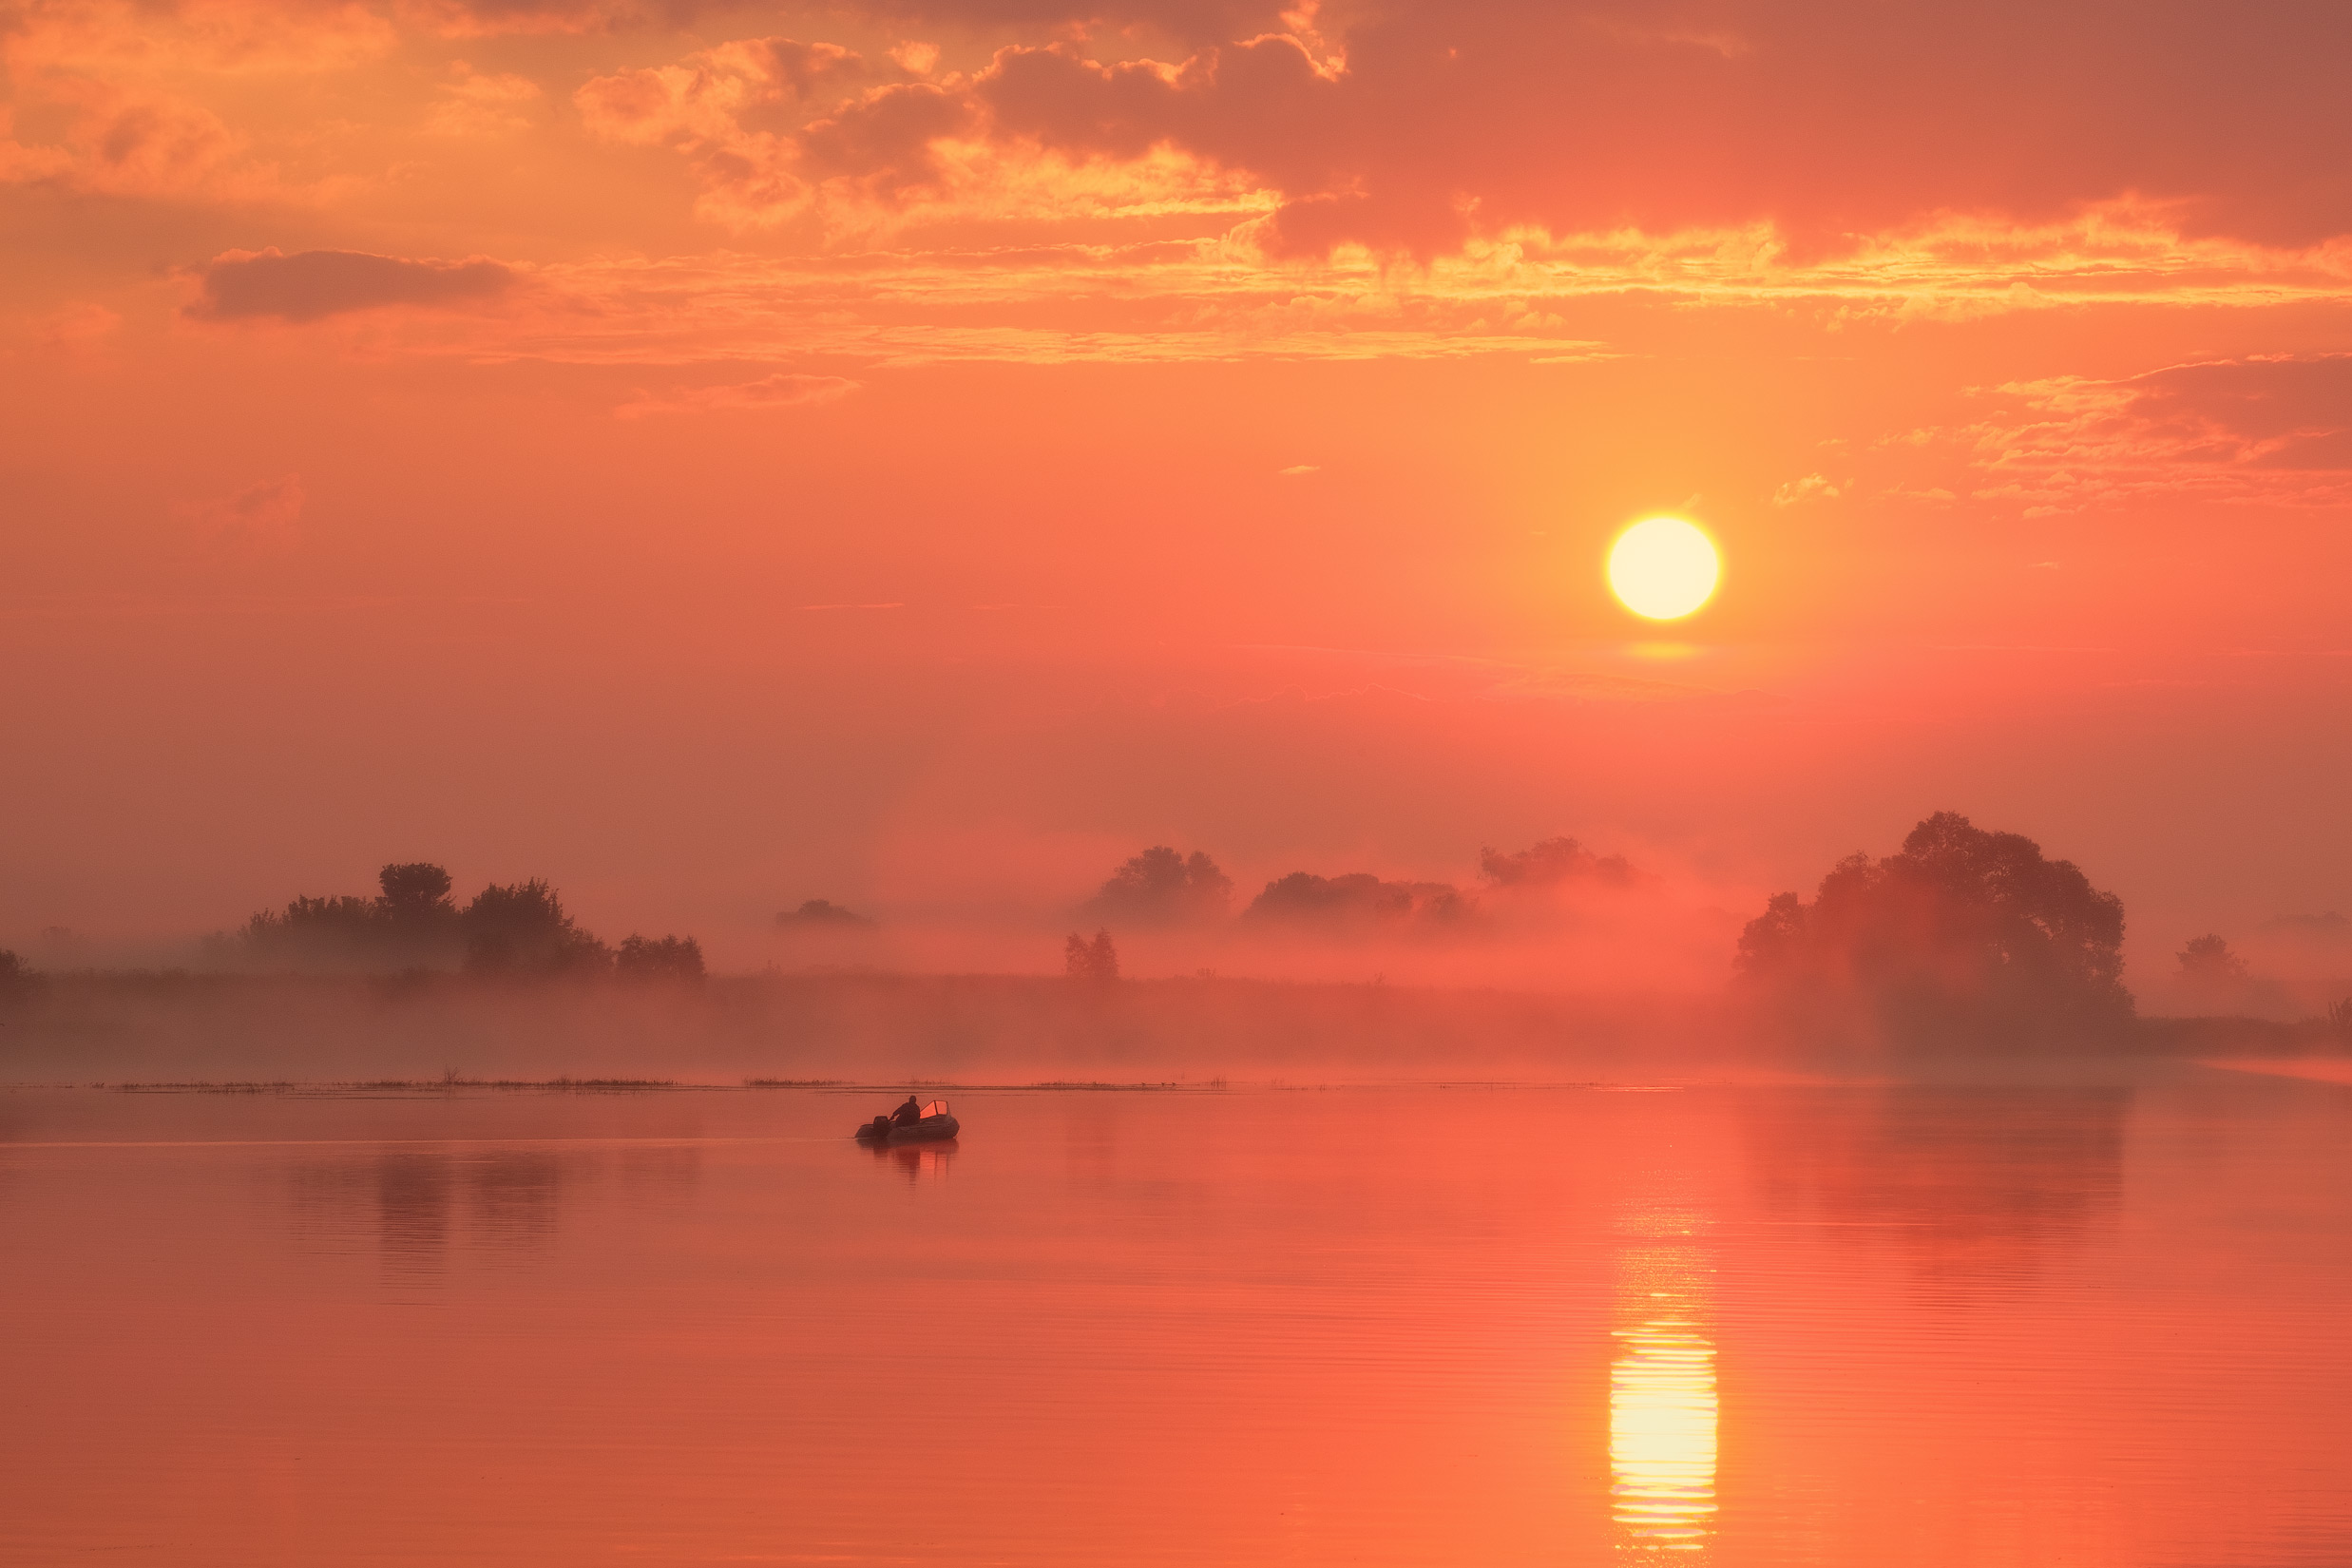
1662	1435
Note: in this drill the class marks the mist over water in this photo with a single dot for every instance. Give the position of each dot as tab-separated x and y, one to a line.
1841	1324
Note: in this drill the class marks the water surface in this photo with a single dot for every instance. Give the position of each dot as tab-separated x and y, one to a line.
1695	1325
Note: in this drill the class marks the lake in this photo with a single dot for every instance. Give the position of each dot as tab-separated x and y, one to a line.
1835	1324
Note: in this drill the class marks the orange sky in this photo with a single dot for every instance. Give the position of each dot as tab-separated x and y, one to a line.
919	453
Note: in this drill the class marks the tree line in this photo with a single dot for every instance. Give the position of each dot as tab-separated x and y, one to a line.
517	929
1163	888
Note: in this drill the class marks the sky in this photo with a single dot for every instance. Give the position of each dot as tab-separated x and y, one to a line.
919	453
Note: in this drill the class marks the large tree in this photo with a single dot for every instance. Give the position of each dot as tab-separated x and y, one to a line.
1964	939
1162	888
523	929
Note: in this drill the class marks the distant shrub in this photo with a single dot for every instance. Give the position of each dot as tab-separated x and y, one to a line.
1090	960
15	979
1554	863
822	913
669	958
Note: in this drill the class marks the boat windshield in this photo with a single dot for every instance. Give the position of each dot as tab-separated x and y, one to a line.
937	1107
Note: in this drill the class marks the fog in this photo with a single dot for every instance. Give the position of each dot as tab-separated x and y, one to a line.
184	1027
1543	962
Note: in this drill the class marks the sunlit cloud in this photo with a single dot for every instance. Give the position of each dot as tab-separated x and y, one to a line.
2271	430
1813	486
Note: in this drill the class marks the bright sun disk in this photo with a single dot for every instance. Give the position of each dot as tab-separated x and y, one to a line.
1663	568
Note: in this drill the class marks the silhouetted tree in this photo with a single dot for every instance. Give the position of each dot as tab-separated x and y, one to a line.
15	979
2340	1020
340	932
1093	961
1964	937
821	912
670	957
413	924
416	899
1357	902
522	929
1553	862
2216	978
2208	960
1162	888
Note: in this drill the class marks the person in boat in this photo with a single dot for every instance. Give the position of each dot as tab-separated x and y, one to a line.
907	1115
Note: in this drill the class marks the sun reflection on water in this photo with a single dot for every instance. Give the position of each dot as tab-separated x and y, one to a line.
1662	1434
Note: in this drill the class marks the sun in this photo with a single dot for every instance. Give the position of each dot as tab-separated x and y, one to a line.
1663	568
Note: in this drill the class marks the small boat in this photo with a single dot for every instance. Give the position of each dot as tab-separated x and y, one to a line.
935	1125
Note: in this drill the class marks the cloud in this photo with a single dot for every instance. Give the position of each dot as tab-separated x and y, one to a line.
1423	125
1418	128
243	285
263	516
737	95
1811	488
128	141
141	100
737	113
493	18
914	58
2271	430
1300	469
783	391
477	104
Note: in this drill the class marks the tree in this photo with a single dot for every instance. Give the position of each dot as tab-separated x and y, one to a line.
1091	961
336	932
2215	976
1162	888
1358	904
1553	862
416	895
522	929
420	919
412	923
415	891
822	912
674	959
2208	960
15	979
1964	937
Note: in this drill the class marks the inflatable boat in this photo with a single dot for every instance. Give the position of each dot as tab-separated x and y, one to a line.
936	1125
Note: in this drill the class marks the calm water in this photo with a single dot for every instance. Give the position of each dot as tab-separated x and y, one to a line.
1837	1325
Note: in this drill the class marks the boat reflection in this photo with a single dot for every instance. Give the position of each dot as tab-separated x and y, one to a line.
916	1161
1662	1435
